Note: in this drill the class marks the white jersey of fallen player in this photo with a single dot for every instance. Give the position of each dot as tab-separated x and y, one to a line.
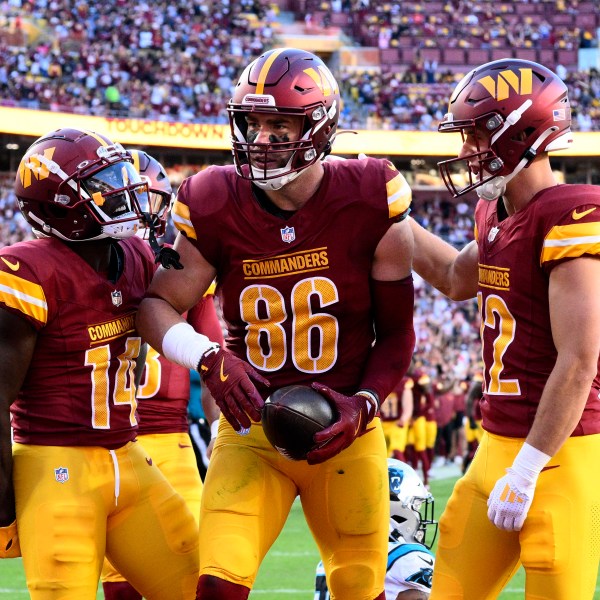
409	567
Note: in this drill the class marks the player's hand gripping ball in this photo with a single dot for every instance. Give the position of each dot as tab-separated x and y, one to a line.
291	416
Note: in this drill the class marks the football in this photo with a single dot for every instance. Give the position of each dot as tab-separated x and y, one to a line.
291	416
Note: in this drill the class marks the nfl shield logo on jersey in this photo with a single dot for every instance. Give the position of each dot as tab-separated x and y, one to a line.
493	233
117	298
288	234
61	474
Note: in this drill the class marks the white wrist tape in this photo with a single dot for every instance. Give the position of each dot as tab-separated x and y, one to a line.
214	429
372	400
183	345
530	461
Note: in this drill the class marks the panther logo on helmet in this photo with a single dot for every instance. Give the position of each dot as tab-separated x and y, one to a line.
515	109
78	185
286	82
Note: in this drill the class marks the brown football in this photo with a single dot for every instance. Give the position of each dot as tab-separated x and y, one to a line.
291	416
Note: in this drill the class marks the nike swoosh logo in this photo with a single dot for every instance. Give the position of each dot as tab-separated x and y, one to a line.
11	266
222	375
149	461
429	562
576	215
184	446
548	468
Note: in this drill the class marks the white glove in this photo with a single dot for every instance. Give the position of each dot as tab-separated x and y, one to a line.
512	495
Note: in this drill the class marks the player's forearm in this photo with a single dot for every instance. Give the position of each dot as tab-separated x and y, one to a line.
209	406
562	403
390	356
155	317
7	496
407	406
452	272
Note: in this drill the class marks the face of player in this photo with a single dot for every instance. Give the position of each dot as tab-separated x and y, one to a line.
474	142
270	137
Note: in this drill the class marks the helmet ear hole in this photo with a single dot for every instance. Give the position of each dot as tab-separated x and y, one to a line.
55	211
399	519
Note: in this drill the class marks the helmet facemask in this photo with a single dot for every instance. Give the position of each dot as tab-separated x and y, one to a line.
254	161
117	192
155	210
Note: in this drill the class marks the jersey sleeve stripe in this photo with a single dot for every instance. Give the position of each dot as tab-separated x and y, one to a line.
23	295
180	213
399	195
571	241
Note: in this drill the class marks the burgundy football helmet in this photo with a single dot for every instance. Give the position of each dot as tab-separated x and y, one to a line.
284	81
517	108
160	193
77	185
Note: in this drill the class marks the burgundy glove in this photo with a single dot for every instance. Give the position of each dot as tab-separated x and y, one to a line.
354	414
230	381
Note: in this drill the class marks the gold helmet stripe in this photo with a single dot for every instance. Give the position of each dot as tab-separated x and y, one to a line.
262	76
93	134
135	154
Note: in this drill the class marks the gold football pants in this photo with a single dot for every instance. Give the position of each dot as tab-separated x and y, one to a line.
559	545
76	504
249	490
174	455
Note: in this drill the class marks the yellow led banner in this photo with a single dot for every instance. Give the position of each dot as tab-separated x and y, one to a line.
203	136
131	132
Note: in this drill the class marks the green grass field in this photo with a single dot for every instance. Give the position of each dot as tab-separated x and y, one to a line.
289	569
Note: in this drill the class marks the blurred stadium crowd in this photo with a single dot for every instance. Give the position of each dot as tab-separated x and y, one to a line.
178	60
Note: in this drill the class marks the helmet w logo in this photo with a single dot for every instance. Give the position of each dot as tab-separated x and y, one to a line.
32	164
324	79
500	87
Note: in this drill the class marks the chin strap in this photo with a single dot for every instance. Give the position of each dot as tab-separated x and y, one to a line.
166	257
496	187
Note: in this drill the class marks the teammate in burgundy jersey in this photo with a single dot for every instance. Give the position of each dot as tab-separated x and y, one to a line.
529	495
423	412
305	255
77	481
163	392
396	413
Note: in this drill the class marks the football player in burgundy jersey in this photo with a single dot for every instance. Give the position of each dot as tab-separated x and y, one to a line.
78	483
396	413
419	383
529	496
164	389
305	255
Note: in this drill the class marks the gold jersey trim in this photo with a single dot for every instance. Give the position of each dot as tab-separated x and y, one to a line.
24	295
571	241
399	196
180	213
